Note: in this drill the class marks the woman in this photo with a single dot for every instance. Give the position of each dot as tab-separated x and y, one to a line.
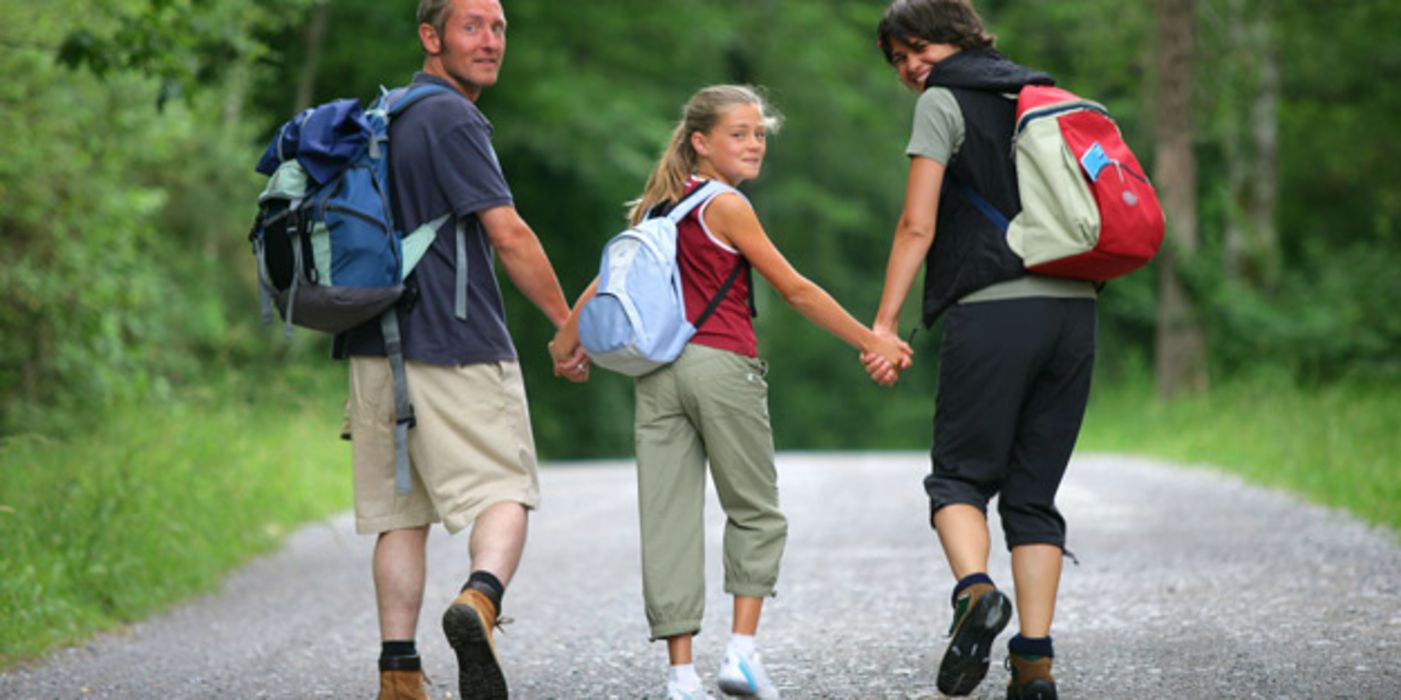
1018	348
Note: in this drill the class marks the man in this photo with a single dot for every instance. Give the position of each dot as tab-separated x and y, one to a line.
471	451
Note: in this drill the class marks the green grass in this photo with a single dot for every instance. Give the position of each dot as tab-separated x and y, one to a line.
151	504
1338	446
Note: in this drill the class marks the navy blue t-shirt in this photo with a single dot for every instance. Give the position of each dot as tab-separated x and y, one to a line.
441	160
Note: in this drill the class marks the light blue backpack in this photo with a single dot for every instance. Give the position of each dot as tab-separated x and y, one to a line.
636	322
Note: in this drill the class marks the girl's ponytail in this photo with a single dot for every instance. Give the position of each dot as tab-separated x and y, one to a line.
668	180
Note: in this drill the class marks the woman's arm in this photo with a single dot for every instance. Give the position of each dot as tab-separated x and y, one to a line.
731	220
914	234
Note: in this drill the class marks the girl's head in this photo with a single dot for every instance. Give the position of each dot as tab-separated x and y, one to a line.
917	23
721	135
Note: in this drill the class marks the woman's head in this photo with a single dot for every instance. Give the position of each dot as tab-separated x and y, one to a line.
700	141
921	22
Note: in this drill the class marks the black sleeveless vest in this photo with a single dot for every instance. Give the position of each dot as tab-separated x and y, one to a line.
969	252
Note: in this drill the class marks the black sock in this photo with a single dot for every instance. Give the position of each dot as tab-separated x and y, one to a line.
967	581
489	586
1025	646
398	647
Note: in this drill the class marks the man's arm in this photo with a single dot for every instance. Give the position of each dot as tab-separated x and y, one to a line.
525	261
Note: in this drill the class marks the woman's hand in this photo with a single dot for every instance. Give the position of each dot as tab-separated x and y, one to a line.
886	356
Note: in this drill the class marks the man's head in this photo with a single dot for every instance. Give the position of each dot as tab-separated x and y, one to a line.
463	41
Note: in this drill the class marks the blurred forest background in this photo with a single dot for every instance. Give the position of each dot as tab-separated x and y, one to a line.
126	183
153	434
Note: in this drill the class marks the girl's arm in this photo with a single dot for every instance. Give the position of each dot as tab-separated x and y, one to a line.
731	220
914	234
569	357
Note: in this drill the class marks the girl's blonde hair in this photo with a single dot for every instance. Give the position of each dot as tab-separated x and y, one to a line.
667	183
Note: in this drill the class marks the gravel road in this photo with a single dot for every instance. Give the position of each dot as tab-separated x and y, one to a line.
1190	585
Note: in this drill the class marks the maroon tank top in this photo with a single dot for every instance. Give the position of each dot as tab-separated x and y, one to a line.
705	264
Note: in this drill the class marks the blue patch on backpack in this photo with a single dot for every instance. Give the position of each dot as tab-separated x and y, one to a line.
1094	161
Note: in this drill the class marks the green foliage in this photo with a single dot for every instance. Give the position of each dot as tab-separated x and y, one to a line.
103	186
186	45
156	501
118	228
1335	445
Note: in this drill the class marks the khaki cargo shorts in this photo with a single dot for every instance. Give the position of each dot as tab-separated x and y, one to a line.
472	447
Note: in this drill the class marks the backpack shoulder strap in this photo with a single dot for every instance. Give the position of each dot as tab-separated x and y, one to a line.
400	99
697	197
984	207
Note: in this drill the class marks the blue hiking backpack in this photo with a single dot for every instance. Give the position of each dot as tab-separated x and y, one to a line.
329	254
636	322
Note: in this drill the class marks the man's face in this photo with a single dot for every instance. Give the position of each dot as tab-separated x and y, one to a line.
471	47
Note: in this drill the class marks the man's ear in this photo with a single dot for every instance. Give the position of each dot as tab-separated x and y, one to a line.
428	36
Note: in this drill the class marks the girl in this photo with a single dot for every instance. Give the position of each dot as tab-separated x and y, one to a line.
711	403
1014	374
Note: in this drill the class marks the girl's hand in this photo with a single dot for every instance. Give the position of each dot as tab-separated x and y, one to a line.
886	356
569	358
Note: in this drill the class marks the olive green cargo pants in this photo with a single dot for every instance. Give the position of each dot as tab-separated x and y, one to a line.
708	405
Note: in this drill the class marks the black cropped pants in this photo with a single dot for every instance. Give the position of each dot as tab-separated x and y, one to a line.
1014	379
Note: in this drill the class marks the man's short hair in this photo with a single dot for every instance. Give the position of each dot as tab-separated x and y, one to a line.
435	13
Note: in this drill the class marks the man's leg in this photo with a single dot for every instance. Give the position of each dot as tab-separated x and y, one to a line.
498	539
475	451
399	572
495	546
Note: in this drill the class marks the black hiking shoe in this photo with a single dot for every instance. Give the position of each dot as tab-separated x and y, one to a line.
979	613
468	623
1031	678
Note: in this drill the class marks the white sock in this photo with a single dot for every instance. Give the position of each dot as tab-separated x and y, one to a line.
685	677
742	644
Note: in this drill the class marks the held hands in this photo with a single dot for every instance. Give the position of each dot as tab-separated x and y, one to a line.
887	357
569	358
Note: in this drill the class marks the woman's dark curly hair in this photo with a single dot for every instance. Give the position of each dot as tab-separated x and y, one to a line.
952	22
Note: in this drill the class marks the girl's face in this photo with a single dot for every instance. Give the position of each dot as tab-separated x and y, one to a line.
733	150
915	59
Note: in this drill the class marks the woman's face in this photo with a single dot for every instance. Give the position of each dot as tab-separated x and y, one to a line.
733	150
914	59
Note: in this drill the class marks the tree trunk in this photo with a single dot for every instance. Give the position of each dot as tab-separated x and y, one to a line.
1180	363
1252	238
315	40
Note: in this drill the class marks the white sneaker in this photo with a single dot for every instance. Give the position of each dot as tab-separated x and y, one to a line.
744	677
676	692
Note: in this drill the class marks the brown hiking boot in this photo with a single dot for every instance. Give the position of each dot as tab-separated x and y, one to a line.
468	623
979	613
401	678
1031	678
